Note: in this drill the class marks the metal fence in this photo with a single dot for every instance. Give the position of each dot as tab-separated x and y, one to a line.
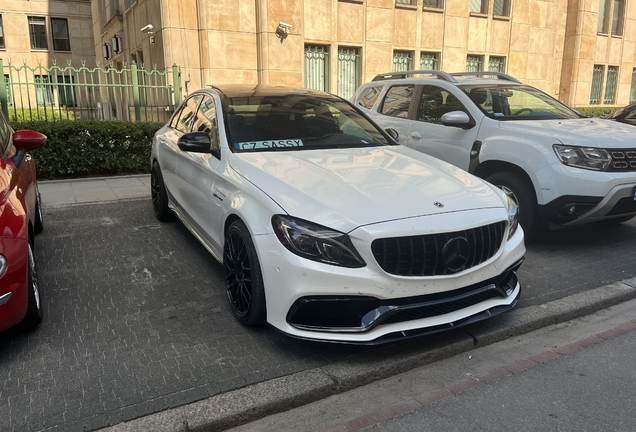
101	93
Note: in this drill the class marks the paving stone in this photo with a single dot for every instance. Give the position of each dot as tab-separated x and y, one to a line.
136	319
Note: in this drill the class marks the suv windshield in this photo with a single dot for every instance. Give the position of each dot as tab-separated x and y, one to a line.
517	103
296	122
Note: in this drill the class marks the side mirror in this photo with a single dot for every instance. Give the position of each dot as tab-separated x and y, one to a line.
457	119
393	134
196	142
28	140
25	140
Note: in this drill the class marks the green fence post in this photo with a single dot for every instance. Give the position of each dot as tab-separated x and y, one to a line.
3	92
176	82
135	84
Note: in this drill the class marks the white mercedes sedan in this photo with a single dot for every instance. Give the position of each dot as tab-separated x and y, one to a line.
327	229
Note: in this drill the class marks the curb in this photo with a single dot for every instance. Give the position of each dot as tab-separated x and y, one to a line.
250	403
86	179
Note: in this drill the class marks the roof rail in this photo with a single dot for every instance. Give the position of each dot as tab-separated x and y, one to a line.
499	75
392	75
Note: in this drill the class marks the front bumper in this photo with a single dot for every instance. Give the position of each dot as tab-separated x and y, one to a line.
573	196
315	301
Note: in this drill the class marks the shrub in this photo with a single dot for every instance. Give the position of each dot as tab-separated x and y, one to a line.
40	113
596	111
85	148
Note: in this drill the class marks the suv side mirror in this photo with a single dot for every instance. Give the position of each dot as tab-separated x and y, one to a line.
457	119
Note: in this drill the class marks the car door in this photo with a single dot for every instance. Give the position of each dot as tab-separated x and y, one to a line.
171	154
428	135
394	110
203	191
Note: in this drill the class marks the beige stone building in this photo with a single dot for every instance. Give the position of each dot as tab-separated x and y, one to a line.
37	32
580	51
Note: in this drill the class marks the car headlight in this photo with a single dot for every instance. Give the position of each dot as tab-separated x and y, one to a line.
513	216
316	242
583	157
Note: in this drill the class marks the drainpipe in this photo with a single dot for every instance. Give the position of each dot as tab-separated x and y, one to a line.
262	51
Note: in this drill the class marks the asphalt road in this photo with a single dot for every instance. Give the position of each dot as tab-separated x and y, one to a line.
136	320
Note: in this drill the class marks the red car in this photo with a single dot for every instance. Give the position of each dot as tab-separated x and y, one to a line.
20	220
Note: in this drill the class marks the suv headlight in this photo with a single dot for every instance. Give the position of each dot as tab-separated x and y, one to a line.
583	157
316	242
513	216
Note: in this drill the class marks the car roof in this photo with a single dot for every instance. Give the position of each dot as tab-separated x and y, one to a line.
456	78
237	90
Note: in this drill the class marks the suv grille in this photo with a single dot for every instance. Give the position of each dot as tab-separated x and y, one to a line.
622	160
438	254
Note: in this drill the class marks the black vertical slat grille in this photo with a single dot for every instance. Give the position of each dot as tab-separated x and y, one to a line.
423	255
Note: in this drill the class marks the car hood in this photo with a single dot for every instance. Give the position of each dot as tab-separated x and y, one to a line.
347	188
580	132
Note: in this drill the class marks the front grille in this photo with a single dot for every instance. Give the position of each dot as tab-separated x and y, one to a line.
623	160
425	255
623	206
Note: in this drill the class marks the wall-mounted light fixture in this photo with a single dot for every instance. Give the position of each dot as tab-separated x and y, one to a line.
117	45
106	51
282	31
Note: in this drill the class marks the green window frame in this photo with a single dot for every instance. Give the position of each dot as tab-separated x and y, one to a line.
348	71
437	4
7	84
43	90
597	84
496	64
632	90
501	8
317	67
429	61
479	6
610	86
474	63
402	61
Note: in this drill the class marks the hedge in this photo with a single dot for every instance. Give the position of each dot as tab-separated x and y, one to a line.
85	148
596	111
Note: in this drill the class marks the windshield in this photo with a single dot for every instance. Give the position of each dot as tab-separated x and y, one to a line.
517	103
296	122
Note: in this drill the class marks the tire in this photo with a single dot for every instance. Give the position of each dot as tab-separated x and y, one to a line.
159	195
523	193
39	220
243	277
33	315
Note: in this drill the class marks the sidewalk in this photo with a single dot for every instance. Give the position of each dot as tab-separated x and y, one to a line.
57	193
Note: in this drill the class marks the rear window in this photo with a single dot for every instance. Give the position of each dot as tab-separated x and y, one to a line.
296	122
398	101
369	96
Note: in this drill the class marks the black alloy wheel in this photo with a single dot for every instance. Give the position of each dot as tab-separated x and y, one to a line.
159	195
243	278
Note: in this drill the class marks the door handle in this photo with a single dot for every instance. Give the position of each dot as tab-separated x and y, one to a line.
416	135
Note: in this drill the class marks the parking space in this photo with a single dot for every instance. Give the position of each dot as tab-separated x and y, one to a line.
136	319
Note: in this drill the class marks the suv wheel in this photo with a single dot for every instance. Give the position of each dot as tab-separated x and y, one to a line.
523	194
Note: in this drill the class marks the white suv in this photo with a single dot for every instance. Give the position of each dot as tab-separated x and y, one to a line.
560	167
